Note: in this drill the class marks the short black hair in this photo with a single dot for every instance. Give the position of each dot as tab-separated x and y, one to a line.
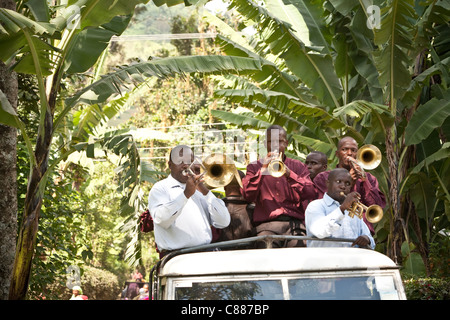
334	172
323	157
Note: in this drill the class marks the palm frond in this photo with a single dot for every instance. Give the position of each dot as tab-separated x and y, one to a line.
118	82
245	121
394	39
427	118
308	64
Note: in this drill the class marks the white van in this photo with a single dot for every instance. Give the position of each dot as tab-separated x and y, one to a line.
276	274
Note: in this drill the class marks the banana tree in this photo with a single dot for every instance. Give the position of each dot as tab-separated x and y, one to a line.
53	48
330	97
376	70
386	85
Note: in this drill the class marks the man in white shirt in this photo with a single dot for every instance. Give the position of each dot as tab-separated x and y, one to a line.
183	209
328	217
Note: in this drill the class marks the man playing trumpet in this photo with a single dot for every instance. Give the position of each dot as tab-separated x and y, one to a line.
362	182
329	217
278	192
182	207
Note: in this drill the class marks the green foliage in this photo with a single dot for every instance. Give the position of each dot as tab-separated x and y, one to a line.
102	216
427	288
46	45
331	80
413	263
100	284
440	256
182	24
60	239
150	19
96	283
327	72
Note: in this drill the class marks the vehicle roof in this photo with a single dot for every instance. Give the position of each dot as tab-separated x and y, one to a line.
275	261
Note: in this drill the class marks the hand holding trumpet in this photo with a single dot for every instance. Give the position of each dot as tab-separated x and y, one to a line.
349	200
194	181
352	203
273	165
356	172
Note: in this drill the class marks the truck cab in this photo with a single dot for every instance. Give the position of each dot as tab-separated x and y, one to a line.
220	271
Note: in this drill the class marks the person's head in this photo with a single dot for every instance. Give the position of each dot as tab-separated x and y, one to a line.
76	291
339	180
347	146
145	287
234	188
180	159
316	162
276	139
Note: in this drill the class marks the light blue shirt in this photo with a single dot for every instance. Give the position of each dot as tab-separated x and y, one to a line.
324	219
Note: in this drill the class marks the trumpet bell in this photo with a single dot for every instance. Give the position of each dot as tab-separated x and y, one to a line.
368	157
374	213
276	168
219	170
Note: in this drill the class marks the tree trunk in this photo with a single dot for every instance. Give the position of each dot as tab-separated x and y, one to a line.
394	251
26	242
8	174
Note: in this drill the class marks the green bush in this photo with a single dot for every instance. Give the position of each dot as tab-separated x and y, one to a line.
97	284
427	289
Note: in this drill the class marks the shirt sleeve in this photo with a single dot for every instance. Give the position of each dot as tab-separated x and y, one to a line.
220	217
251	181
319	223
365	231
163	210
303	185
371	193
320	181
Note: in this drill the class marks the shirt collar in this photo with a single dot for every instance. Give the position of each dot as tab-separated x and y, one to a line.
329	201
174	182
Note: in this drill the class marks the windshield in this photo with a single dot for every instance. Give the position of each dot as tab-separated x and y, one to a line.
347	288
232	290
309	288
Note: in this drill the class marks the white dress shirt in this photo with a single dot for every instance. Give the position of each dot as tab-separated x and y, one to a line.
180	222
324	219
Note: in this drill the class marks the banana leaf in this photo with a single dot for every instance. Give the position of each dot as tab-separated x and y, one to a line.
427	118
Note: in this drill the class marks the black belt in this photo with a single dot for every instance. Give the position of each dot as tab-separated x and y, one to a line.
284	218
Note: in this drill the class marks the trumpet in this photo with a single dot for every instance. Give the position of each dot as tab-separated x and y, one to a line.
367	158
374	213
189	171
218	170
276	167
